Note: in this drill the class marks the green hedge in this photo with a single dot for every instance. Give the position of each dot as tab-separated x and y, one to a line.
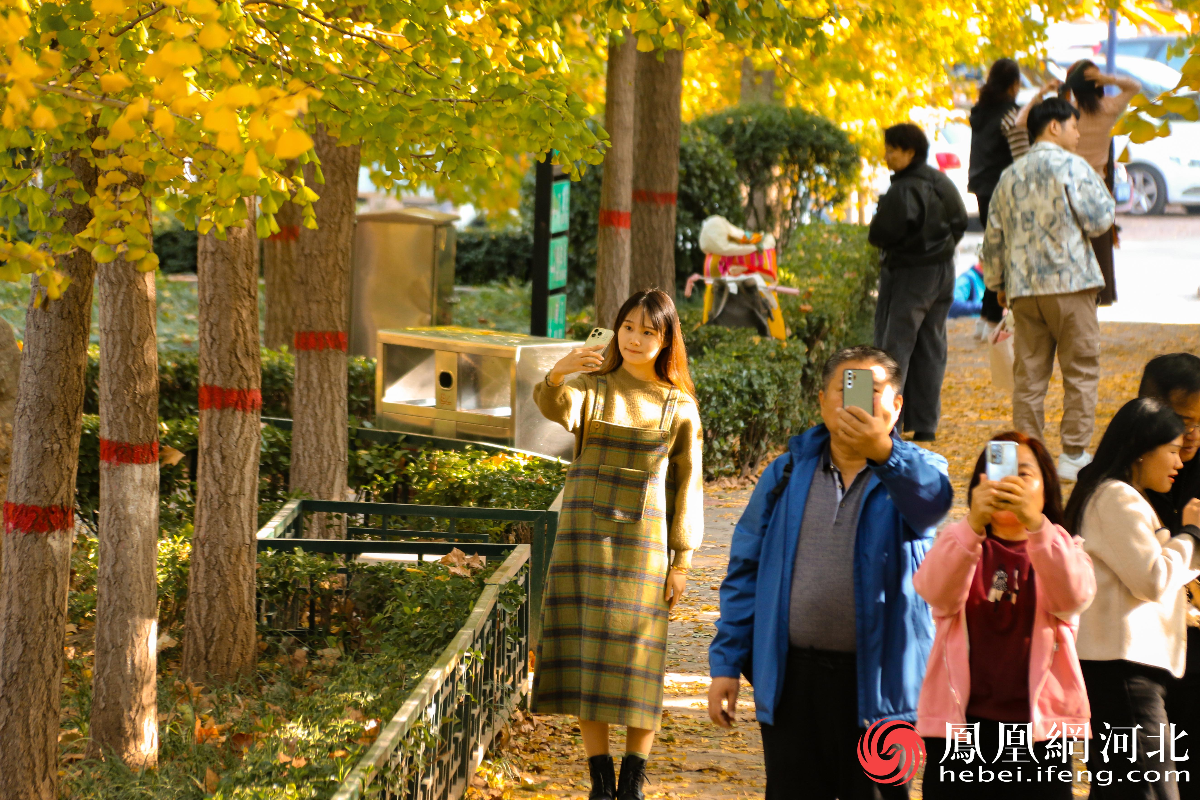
755	392
380	472
179	384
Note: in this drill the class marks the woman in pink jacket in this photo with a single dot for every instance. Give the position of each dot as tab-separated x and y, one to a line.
1006	586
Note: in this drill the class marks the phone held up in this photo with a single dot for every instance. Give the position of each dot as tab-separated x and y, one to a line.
858	389
599	336
1001	460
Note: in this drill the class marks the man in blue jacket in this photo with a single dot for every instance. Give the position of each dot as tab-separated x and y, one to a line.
818	609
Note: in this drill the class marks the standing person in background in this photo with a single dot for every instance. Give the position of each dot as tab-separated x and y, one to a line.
1132	638
633	513
917	225
1175	380
1097	116
1037	257
990	154
1006	585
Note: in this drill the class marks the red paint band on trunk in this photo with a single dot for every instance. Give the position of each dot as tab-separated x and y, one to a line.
128	453
20	518
654	198
287	233
615	219
320	340
218	398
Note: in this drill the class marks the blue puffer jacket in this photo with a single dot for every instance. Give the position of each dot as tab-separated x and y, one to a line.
905	499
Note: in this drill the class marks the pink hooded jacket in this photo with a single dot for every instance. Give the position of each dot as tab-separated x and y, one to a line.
1065	586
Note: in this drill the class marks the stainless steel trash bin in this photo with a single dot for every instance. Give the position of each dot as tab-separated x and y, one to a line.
462	383
402	273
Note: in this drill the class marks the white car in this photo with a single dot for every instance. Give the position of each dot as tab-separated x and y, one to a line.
1163	171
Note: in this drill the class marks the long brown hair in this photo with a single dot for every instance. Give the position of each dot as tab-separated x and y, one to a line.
1052	504
658	312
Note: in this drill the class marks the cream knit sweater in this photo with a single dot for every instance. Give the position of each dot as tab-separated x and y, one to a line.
1140	610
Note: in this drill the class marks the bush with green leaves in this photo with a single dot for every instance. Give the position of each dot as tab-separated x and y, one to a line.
754	392
794	165
175	246
179	384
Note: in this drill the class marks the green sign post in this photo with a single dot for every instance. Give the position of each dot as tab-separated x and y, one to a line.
551	219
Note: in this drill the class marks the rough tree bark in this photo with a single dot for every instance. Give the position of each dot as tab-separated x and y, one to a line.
322	291
10	373
279	268
655	171
219	633
39	519
124	722
616	186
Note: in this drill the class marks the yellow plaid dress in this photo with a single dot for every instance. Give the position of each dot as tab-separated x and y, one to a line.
604	620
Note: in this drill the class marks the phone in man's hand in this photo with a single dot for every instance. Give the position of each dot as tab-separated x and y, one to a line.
858	389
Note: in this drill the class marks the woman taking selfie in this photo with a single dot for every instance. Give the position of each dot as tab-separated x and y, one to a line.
1132	639
633	513
1006	586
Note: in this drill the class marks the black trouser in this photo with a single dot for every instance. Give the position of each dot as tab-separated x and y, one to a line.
1124	694
1183	708
991	310
943	780
910	324
811	751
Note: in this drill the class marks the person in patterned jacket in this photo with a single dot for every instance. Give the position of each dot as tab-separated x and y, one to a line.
1037	256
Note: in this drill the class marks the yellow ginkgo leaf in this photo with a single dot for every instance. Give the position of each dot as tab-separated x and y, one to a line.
103	8
164	123
114	82
644	43
292	143
183	54
213	37
149	263
43	118
250	166
121	131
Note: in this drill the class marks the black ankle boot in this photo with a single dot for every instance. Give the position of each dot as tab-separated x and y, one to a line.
604	778
633	775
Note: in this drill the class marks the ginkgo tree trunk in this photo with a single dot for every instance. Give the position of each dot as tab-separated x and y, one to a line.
279	277
124	721
219	628
655	170
616	184
38	515
322	291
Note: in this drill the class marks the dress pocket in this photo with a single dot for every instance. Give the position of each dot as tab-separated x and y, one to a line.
620	494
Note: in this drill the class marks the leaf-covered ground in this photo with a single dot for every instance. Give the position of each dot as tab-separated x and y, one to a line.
542	756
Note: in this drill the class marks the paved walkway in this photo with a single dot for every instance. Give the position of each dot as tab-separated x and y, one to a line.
695	759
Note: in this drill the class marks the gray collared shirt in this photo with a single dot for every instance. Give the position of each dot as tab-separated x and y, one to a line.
821	609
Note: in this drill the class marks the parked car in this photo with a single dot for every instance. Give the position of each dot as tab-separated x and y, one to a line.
1163	171
1155	48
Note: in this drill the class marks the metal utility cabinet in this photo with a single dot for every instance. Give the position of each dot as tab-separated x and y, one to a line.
402	274
461	383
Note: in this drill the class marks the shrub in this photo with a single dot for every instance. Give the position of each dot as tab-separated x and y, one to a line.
754	393
795	165
179	384
483	256
175	246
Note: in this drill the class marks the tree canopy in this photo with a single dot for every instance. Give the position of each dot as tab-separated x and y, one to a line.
198	104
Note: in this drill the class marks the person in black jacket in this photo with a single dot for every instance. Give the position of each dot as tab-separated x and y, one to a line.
1175	379
917	225
990	152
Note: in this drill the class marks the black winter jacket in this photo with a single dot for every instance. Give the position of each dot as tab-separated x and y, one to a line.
989	147
920	219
